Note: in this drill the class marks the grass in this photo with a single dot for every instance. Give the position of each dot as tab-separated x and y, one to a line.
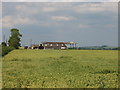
60	69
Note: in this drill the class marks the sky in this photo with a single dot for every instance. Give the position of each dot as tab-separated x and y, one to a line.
87	23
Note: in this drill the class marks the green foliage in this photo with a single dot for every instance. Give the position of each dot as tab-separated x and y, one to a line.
104	47
6	50
60	69
4	44
14	40
0	51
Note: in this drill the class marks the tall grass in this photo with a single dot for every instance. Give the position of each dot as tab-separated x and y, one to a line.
60	69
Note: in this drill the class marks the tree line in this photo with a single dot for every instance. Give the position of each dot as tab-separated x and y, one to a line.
13	42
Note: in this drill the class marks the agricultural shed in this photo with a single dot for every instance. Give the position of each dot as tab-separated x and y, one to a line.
58	45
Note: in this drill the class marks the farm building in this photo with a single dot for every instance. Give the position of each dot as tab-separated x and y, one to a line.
58	45
53	45
34	46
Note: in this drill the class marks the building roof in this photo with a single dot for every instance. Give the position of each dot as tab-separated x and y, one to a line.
59	42
34	45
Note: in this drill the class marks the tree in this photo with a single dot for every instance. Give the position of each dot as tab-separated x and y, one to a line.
4	44
14	40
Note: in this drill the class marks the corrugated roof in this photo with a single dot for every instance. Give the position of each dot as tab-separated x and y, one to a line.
59	42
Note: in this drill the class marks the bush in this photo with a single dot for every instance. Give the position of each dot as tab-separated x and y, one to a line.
6	50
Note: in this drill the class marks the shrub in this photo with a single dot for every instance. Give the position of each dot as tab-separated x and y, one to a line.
6	50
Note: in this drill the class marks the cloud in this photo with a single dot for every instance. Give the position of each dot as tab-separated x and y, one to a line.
35	8
62	18
96	7
48	9
10	21
46	14
6	21
13	21
26	9
40	8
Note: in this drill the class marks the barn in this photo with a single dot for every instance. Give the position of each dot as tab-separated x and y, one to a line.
57	45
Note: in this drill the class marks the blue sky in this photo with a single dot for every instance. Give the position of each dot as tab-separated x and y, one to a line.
89	24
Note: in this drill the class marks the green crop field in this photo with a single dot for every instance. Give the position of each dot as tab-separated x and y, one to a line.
60	69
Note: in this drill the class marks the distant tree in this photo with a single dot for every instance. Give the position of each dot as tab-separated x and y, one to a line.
104	46
4	44
14	40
